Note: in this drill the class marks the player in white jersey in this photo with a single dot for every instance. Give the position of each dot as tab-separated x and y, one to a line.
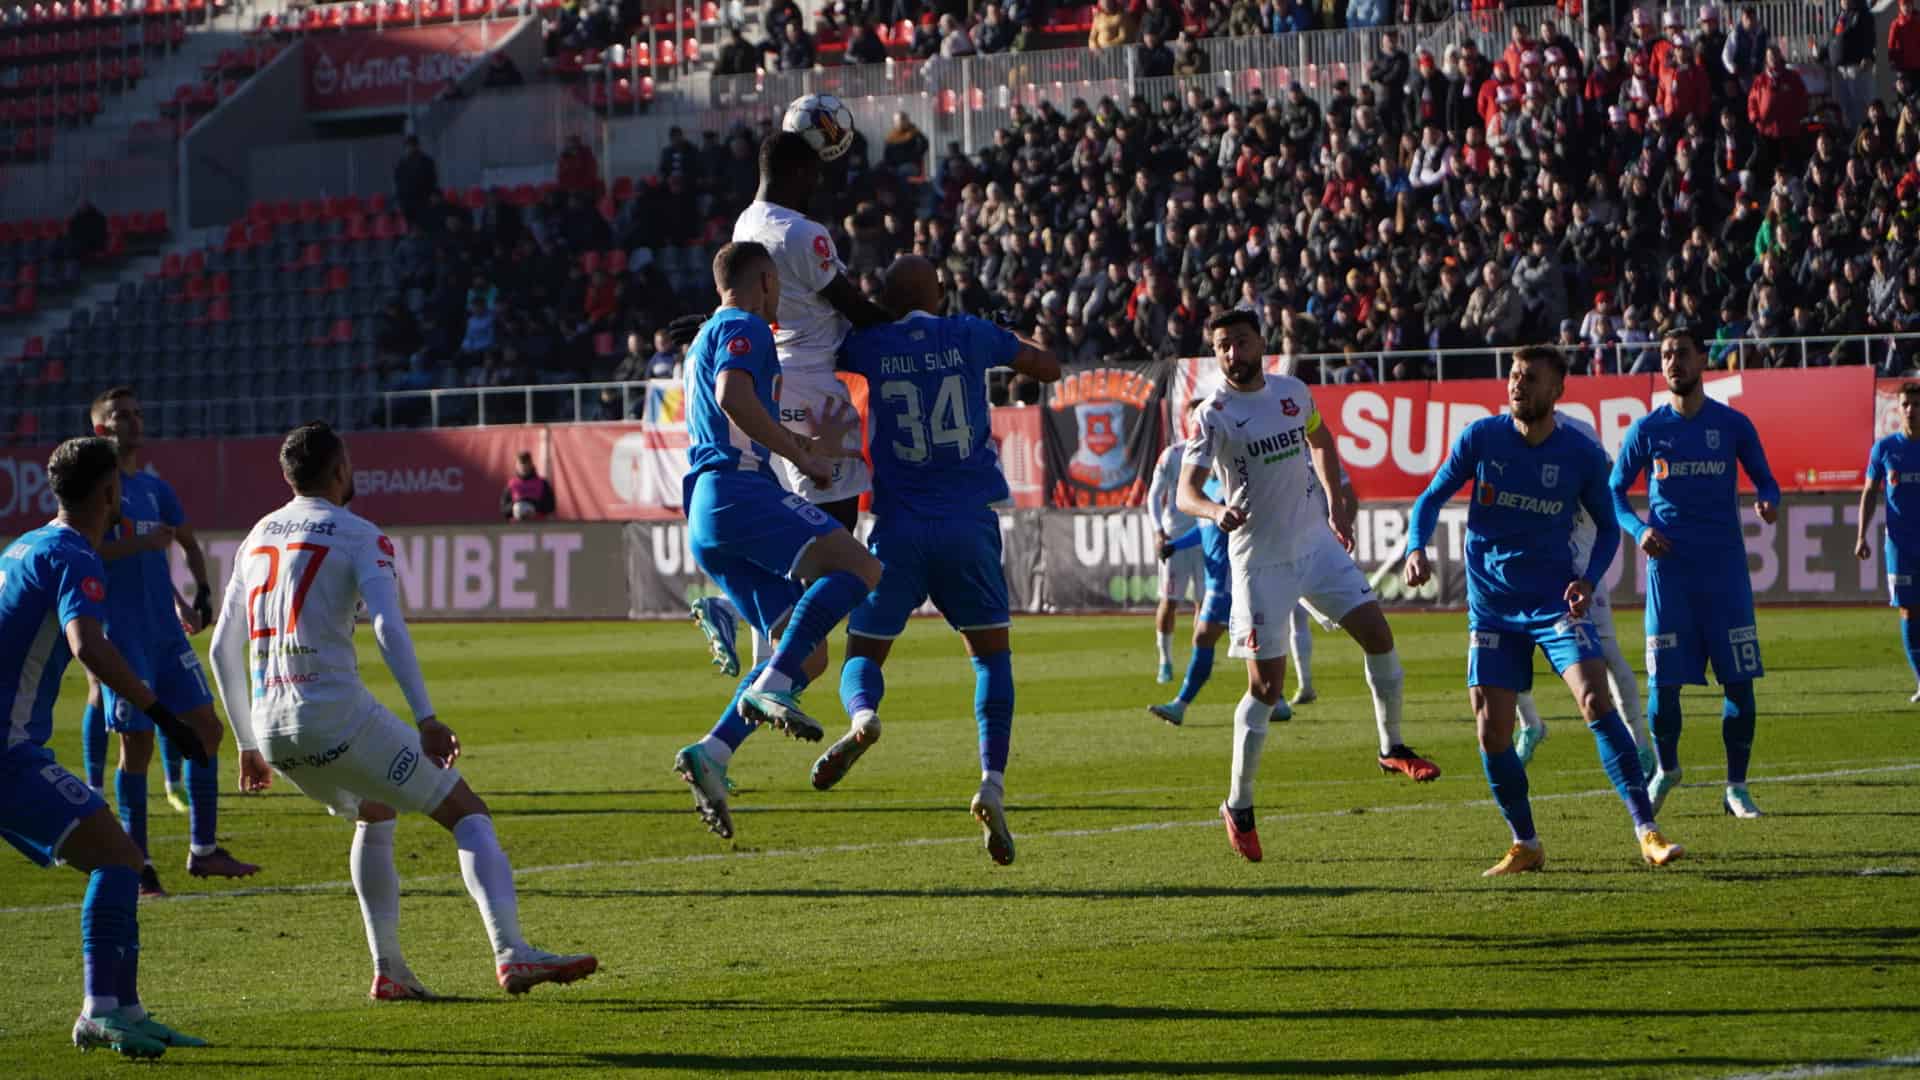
1182	565
818	305
1261	436
284	662
1532	730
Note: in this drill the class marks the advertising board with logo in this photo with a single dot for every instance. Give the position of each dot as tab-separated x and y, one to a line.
389	70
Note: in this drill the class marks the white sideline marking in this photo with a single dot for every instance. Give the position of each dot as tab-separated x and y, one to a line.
932	841
1800	1071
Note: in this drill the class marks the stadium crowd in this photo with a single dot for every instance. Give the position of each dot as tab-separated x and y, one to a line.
1500	193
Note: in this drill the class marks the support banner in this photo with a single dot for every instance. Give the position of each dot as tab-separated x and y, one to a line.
1101	427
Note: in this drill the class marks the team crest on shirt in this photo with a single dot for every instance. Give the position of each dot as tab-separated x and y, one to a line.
1550	475
1287	406
386	547
739	346
1713	439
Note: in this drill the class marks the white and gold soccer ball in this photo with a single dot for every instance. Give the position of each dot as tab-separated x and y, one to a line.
824	121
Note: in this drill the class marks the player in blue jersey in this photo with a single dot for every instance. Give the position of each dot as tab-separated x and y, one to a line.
1895	465
789	568
936	479
1699	598
53	604
145	625
1531	477
1210	618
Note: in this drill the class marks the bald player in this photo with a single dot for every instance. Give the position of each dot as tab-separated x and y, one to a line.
936	478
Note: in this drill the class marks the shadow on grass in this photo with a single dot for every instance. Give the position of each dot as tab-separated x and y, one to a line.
1163	892
529	1060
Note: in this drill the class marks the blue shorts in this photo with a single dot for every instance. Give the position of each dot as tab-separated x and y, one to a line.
1504	657
1903	578
1216	606
747	533
40	802
1698	613
170	667
953	561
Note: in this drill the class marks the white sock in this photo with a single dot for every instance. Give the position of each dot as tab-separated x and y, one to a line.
1301	626
867	722
1249	735
489	881
1387	680
1165	641
1626	690
96	1007
994	779
717	752
772	681
1529	712
762	646
377	883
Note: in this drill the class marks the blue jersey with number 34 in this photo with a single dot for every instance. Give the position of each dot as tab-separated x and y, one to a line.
931	430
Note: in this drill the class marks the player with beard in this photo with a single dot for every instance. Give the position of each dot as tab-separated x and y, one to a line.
1262	438
1699	598
1531	476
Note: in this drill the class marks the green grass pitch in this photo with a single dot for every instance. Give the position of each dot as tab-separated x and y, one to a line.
864	932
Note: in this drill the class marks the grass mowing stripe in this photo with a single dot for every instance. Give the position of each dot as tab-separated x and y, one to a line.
934	841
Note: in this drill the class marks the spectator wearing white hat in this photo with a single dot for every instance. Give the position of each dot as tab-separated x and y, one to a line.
1709	43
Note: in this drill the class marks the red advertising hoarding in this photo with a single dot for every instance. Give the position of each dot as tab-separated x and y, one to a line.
391	69
1815	423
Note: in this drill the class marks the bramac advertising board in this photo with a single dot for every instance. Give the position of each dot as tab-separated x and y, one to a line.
482	571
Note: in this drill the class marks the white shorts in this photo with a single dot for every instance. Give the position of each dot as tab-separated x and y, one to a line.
1184	576
373	756
1264	598
802	396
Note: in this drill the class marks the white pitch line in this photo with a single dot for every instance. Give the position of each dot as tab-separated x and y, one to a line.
1799	1072
935	841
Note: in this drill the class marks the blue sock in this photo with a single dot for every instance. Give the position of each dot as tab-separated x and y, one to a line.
733	728
171	758
109	929
93	744
861	685
993	708
1738	718
1663	715
1199	670
1910	641
1508	780
1621	759
130	794
203	800
820	609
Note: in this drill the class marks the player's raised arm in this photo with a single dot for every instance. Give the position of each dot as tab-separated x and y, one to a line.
848	300
1753	459
1035	362
1455	471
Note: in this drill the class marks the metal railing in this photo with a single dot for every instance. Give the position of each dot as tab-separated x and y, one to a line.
490	406
1888	353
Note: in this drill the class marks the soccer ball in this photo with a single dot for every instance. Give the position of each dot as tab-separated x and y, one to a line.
824	121
523	510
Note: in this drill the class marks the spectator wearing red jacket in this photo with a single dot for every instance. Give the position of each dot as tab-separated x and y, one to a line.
1488	103
1777	106
1684	91
1903	41
577	169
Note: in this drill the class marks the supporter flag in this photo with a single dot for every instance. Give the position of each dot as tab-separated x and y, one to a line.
1102	430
